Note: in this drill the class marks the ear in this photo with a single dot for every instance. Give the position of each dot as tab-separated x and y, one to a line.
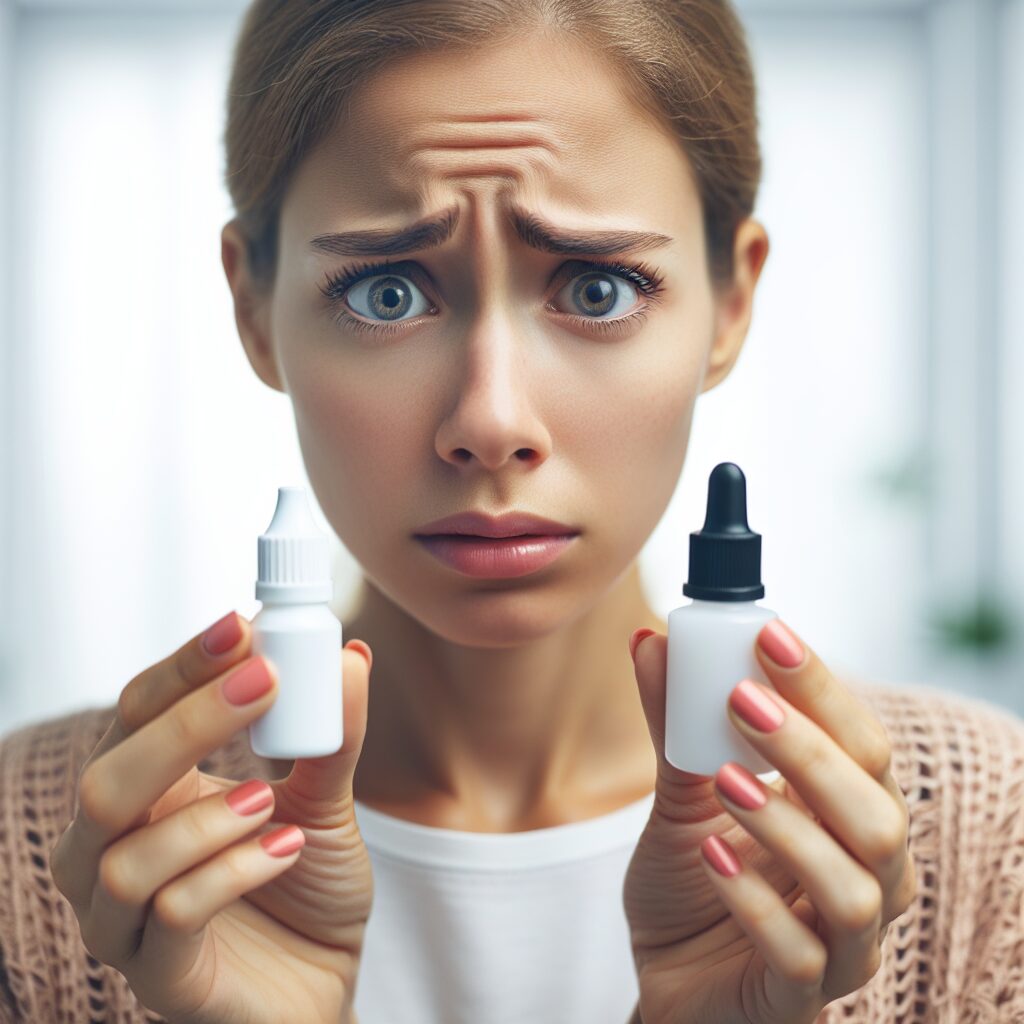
734	303
252	306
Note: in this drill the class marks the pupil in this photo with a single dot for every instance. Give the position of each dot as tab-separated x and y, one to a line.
390	298
597	293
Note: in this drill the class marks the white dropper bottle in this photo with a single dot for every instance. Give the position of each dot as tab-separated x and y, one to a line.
711	640
298	632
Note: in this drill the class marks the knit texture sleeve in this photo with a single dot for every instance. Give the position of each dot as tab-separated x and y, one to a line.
956	954
47	975
992	990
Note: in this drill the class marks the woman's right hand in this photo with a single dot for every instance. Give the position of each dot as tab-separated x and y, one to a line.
175	890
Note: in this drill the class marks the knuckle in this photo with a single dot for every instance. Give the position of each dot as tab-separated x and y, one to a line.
807	967
863	907
93	801
186	729
200	834
171	909
885	835
129	705
116	877
237	866
761	912
812	759
188	667
876	754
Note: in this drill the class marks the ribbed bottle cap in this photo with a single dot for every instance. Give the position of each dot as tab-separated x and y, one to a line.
725	557
294	554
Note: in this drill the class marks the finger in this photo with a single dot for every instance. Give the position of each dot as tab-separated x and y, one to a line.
650	656
155	689
118	788
806	682
849	802
176	926
796	956
847	896
796	671
318	790
132	869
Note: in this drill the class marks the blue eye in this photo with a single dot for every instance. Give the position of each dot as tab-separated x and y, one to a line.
389	297
595	294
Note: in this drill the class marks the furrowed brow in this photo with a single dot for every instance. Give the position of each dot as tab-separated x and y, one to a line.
531	229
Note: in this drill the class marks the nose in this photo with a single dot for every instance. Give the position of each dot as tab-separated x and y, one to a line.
494	419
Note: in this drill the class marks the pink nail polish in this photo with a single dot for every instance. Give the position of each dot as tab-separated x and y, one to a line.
779	643
721	856
250	797
740	786
222	635
248	683
755	707
283	841
638	635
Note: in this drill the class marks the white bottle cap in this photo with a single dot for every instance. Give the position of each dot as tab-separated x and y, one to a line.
294	555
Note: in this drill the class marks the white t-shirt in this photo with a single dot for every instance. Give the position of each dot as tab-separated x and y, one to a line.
498	928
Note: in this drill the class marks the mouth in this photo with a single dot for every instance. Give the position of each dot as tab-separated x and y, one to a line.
476	523
496	557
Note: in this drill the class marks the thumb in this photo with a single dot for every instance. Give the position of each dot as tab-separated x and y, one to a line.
328	779
650	661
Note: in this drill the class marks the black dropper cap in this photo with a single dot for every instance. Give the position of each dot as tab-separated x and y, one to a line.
725	557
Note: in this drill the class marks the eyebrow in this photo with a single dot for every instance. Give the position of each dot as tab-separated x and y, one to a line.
536	232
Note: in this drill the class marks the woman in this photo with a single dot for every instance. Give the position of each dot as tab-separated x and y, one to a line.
500	837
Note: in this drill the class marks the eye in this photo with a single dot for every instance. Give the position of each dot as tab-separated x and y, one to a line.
384	299
598	295
387	298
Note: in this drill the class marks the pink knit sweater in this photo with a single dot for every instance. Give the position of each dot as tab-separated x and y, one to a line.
955	956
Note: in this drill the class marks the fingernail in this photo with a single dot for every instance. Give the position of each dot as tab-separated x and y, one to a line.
721	856
250	797
634	640
363	649
222	635
740	786
283	841
755	707
248	683
779	643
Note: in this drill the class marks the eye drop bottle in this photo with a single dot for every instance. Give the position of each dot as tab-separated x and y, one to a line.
297	631
711	640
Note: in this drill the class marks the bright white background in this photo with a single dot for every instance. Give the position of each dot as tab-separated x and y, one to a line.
875	409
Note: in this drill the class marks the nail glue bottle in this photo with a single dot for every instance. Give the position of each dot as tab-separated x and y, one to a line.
297	631
711	640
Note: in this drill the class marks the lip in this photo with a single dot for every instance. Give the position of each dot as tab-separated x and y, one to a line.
509	524
496	558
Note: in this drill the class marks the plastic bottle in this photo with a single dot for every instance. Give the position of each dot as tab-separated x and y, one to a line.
298	632
711	640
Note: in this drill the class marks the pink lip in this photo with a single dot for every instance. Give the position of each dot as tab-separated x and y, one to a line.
509	524
496	559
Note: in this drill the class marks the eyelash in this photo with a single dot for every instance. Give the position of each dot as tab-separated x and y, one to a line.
640	274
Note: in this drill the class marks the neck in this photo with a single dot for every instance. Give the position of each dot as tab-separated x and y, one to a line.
510	738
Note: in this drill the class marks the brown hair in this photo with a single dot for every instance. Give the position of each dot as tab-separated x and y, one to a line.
297	63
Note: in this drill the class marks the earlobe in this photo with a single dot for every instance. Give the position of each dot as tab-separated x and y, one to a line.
251	307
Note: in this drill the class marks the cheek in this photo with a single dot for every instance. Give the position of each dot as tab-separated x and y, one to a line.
350	445
638	422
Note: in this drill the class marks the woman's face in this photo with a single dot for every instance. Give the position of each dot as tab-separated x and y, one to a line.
505	376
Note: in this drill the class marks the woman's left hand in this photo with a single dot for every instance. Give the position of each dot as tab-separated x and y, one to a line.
822	867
